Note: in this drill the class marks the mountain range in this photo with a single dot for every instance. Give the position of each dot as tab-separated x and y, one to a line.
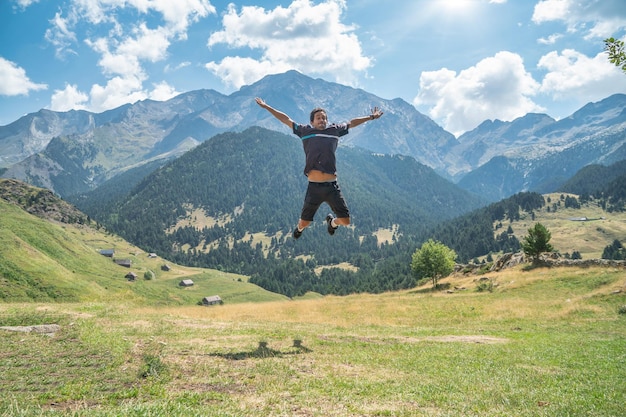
247	188
78	151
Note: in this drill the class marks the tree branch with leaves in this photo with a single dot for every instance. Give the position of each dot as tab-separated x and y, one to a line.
617	55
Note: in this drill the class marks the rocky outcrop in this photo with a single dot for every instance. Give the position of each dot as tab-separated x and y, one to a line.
548	259
46	329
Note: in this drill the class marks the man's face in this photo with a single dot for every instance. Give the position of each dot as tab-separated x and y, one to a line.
320	120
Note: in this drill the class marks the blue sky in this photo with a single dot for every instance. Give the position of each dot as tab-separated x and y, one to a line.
458	61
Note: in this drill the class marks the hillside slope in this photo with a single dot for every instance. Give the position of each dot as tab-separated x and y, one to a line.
46	260
587	230
239	190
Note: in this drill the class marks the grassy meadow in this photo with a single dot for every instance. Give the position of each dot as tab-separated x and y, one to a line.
62	262
589	237
520	342
544	342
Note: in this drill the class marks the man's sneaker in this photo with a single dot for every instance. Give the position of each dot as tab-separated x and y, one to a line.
297	233
331	229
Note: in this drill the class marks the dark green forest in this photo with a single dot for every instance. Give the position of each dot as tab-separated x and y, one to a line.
607	184
254	180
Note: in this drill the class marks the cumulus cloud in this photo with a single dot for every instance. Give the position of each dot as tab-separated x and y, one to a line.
127	89
117	91
69	98
571	75
596	18
498	87
14	81
237	71
162	91
129	44
307	37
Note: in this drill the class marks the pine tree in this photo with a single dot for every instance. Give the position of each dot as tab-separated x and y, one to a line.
537	242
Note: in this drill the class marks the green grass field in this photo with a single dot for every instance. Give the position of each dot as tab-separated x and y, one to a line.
61	262
545	342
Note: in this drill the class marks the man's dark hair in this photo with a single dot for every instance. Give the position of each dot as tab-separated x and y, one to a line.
316	110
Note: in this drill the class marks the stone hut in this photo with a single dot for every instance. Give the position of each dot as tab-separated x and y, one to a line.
123	262
212	300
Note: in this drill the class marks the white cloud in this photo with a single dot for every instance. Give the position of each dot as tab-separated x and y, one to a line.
69	98
548	10
14	81
307	37
169	68
550	40
498	87
147	44
574	76
178	14
163	91
25	3
117	92
237	71
128	44
114	63
595	18
61	36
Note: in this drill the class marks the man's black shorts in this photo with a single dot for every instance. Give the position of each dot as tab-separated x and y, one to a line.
324	192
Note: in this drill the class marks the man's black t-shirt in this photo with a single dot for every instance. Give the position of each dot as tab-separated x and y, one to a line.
320	146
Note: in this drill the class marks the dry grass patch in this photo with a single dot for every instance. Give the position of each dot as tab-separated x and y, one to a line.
343	265
587	237
386	235
197	218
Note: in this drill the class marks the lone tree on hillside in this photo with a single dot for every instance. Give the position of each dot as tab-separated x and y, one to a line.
537	242
433	260
617	55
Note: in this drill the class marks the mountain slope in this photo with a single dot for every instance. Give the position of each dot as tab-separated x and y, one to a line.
495	138
252	182
232	203
70	160
550	153
594	178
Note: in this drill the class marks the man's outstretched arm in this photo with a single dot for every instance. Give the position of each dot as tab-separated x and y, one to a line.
376	113
277	114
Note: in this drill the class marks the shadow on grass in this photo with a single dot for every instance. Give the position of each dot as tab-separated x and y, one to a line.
263	351
535	264
440	287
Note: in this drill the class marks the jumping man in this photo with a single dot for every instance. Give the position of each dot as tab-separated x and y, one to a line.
320	140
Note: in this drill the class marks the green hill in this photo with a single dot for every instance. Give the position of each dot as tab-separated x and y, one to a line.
586	229
47	260
594	178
